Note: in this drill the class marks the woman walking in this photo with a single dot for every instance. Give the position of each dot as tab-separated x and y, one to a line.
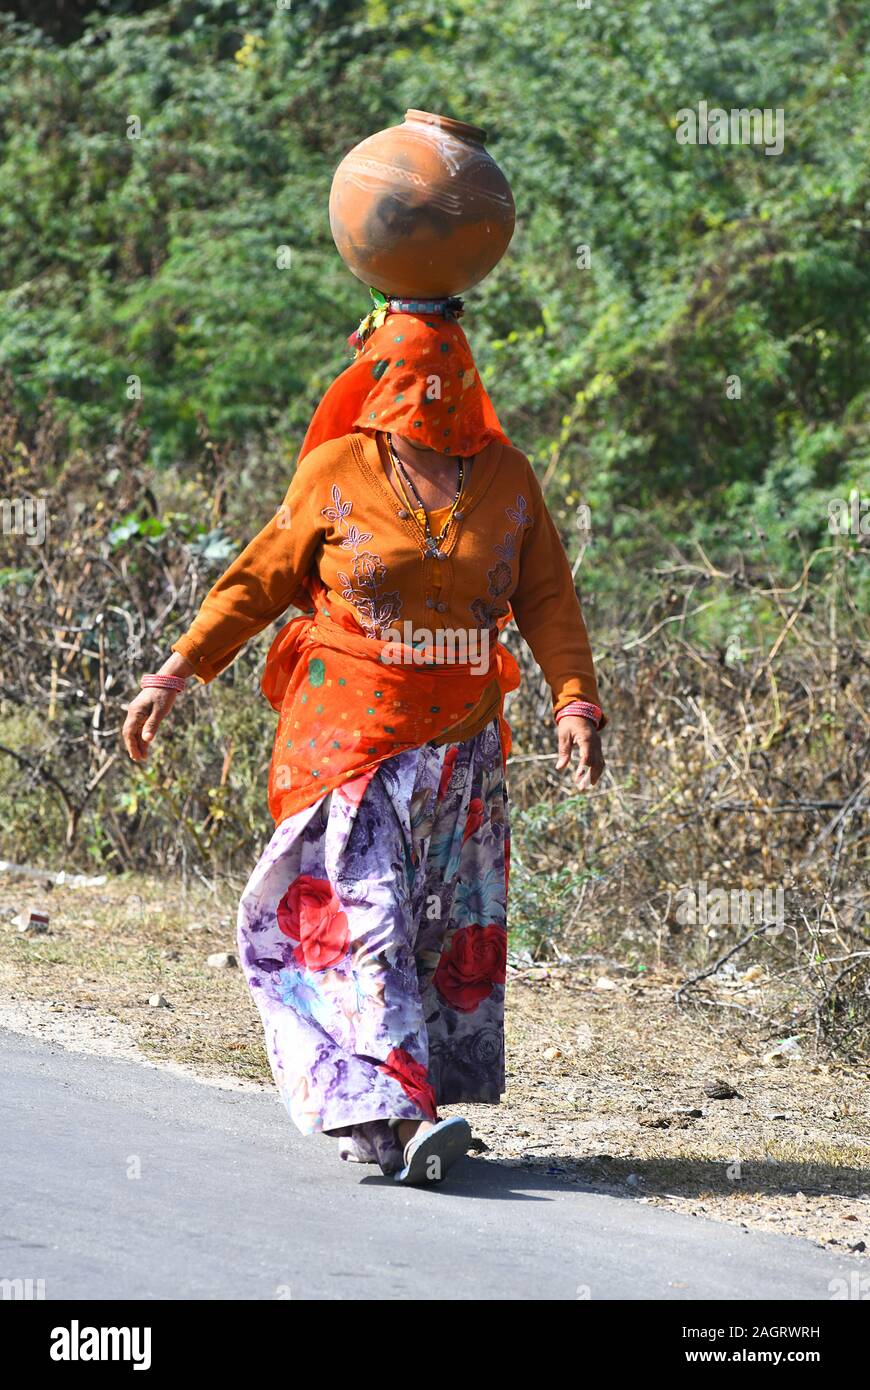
373	930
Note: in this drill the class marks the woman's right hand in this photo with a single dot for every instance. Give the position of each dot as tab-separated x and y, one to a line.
144	717
147	711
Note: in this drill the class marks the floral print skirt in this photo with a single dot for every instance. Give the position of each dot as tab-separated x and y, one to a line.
373	936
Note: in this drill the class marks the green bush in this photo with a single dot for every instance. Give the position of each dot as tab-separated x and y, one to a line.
155	258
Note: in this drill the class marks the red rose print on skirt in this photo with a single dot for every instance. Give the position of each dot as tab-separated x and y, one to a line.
413	1079
310	914
475	960
474	819
447	770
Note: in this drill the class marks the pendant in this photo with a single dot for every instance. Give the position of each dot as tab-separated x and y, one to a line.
432	547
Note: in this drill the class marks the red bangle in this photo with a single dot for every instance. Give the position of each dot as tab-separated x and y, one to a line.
584	709
163	683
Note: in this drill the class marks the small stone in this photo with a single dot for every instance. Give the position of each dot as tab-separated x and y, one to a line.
31	923
722	1090
157	1001
222	960
551	1054
604	983
859	1248
170	954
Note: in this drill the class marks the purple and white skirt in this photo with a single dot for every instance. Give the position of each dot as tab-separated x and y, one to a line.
373	935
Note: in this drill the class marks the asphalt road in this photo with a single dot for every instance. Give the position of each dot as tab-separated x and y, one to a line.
230	1202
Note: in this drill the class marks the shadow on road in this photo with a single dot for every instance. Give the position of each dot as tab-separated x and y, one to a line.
479	1178
534	1178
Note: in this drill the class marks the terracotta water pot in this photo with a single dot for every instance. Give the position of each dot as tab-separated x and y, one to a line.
420	209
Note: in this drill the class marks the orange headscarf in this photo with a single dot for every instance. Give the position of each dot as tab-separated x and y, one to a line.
415	376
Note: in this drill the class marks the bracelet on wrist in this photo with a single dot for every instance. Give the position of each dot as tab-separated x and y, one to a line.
159	682
583	709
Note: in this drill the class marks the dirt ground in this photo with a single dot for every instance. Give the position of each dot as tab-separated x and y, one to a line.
608	1082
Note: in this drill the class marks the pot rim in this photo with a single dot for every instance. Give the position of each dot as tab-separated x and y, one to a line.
460	128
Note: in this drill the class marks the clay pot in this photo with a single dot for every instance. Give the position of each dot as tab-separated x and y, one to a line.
420	209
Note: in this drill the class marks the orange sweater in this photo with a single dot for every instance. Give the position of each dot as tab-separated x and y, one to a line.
342	518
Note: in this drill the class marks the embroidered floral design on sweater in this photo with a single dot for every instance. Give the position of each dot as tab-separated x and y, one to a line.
363	586
500	576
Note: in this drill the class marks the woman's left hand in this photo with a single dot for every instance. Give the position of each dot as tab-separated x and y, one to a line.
576	732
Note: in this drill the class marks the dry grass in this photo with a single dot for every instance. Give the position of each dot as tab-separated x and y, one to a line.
735	767
109	949
615	1109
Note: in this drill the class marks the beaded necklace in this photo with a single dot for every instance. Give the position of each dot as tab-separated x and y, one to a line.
433	543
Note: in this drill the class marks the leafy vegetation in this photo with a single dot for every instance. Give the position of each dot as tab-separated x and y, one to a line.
153	168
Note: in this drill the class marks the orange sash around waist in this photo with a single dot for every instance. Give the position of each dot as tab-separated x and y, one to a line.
343	709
